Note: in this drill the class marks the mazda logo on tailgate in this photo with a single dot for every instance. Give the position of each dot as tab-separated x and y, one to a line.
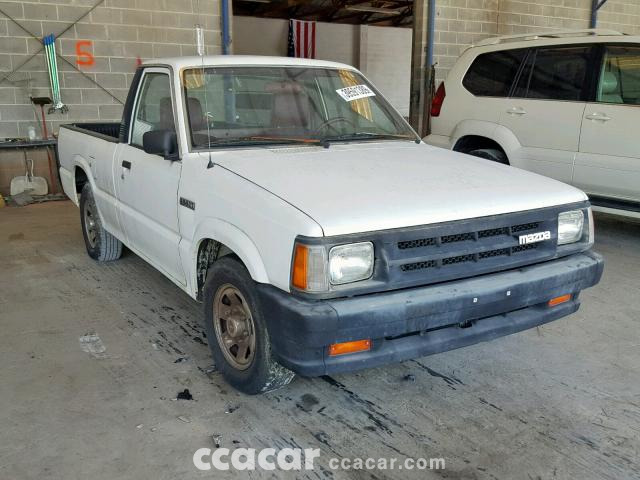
534	237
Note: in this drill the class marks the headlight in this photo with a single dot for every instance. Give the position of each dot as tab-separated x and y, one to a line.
312	270
570	226
350	263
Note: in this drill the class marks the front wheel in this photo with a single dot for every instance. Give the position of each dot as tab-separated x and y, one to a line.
237	331
101	245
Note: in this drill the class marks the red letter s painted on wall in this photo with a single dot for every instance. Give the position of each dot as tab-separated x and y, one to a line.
84	57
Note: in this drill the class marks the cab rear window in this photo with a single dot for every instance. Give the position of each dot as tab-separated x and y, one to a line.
492	74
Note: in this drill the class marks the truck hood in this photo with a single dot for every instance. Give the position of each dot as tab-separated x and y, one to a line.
363	187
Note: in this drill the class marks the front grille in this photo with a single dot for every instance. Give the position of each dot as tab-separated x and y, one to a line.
423	242
467	236
525	226
493	232
466	248
408	267
460	237
495	253
458	259
524	248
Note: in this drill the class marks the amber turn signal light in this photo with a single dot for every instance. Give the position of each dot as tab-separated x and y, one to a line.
349	347
558	300
300	262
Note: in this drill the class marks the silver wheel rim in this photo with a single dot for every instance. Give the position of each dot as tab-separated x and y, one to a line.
234	327
90	224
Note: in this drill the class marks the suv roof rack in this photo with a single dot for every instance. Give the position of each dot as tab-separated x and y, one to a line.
548	34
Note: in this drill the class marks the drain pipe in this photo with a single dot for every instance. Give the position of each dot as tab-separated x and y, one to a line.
431	29
596	5
229	100
594	14
226	41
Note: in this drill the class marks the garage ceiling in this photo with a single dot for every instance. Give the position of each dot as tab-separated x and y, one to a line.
397	13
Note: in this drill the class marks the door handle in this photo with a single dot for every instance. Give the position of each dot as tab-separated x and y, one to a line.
598	117
126	164
516	111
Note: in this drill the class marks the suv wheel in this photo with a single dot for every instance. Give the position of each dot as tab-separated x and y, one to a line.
490	154
237	332
101	245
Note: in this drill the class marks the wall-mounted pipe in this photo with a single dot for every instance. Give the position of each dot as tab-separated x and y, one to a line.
431	31
595	6
226	38
594	14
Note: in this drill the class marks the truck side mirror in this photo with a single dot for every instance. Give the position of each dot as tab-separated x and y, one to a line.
161	142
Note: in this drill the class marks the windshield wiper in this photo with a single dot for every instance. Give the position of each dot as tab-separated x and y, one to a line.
369	136
263	140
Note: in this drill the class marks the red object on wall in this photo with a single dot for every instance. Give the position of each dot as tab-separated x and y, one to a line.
84	57
301	42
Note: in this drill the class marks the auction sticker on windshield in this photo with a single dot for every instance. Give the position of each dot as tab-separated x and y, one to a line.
355	92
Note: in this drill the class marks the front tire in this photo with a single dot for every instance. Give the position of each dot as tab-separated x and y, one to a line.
237	332
101	245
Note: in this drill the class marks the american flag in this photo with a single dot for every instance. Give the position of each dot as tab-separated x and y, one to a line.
302	39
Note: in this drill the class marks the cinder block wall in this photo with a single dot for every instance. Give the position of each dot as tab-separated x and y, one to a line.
120	32
460	23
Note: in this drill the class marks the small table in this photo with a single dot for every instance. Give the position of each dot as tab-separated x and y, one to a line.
35	144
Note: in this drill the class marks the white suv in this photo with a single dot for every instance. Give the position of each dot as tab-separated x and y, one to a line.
565	105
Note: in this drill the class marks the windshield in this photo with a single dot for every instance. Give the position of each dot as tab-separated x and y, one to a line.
261	105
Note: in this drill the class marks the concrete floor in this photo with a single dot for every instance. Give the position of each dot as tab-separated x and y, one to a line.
561	401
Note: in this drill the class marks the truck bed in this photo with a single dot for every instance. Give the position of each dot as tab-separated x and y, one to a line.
106	131
91	148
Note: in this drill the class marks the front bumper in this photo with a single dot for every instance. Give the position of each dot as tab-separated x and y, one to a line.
422	321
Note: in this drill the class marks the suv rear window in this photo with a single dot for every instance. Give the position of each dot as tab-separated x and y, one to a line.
556	73
492	74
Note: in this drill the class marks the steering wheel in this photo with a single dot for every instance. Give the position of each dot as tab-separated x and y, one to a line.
334	120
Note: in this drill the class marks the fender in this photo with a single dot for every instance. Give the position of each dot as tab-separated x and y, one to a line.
103	200
233	238
493	131
70	190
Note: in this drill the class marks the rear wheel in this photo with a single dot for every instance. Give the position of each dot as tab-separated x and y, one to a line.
490	154
237	331
101	245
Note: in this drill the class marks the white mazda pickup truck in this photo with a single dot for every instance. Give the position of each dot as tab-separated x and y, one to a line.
319	232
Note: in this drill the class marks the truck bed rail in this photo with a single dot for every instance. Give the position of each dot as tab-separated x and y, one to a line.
106	131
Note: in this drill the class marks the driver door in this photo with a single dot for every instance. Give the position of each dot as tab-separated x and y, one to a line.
146	184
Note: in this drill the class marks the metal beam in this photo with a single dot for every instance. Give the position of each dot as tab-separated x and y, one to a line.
334	11
385	20
421	64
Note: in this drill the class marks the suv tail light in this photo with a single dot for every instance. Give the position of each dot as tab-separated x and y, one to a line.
438	100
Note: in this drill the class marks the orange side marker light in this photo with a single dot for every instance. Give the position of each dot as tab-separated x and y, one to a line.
559	300
349	347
